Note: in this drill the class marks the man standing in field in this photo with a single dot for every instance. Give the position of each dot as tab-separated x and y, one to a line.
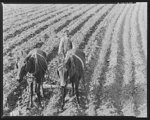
64	46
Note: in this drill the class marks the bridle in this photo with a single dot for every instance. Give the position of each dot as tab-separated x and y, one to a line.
26	77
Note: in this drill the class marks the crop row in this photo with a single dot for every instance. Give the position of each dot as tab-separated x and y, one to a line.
53	45
127	50
113	39
17	30
144	14
64	22
74	19
143	31
27	45
9	10
17	21
19	36
95	81
77	110
38	14
88	50
24	36
49	31
89	27
111	73
25	11
19	11
128	77
92	52
139	67
74	24
56	21
95	24
10	22
34	41
116	65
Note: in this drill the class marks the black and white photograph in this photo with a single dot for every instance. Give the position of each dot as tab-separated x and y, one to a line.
75	59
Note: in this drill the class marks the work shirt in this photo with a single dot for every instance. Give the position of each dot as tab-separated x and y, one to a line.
64	46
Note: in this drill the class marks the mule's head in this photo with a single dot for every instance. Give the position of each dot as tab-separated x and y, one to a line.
21	66
24	66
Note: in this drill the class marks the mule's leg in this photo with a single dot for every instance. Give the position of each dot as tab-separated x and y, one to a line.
72	88
77	92
36	90
29	91
83	82
31	95
63	96
85	88
38	94
42	93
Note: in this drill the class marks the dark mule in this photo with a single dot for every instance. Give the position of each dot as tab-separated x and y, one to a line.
35	63
72	71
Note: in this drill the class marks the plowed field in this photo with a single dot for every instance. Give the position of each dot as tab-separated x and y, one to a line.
114	40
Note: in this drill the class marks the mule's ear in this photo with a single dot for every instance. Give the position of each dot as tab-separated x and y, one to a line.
17	65
23	53
58	73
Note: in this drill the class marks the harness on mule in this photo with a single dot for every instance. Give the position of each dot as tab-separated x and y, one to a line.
37	62
80	61
70	54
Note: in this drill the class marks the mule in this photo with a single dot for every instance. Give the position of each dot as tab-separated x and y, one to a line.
72	71
34	63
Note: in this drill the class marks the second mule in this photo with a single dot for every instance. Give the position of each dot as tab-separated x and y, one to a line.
34	63
71	71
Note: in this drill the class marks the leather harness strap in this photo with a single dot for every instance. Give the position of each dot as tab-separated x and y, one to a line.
80	60
42	57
